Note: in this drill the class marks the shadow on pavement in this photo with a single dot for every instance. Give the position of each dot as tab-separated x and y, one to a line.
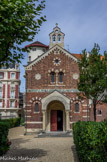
73	148
18	153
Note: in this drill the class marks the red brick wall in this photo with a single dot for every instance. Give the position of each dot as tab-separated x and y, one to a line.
69	67
46	64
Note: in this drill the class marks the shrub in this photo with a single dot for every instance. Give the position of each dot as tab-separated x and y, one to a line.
14	122
90	139
22	121
4	145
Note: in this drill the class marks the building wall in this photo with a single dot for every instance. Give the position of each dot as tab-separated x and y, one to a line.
46	66
35	52
9	94
39	85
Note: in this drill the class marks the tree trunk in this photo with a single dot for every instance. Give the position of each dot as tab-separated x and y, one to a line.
94	109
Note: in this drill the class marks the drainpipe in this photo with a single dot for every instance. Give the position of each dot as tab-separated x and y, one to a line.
26	106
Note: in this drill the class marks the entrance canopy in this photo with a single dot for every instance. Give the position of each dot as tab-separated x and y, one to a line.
55	96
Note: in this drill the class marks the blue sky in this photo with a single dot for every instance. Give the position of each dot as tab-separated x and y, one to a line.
84	23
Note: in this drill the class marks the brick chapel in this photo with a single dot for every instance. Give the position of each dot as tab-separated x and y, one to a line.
52	74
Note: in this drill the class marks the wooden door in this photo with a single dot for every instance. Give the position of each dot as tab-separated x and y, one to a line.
54	120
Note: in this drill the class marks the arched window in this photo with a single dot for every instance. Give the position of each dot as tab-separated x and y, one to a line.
99	112
76	107
36	107
59	38
52	76
61	74
29	58
54	38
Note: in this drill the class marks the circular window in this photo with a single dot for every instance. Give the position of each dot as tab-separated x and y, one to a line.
56	61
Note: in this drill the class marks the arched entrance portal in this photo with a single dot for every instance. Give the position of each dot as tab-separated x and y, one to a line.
55	116
60	103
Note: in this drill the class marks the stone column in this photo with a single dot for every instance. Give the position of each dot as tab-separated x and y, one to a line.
44	120
67	121
56	71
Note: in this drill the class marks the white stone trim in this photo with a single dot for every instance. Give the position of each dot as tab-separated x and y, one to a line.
29	67
85	105
73	122
10	108
34	122
85	110
76	112
58	97
28	110
85	116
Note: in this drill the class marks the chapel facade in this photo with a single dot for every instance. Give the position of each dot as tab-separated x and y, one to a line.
52	74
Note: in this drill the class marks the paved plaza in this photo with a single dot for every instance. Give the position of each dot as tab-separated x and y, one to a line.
31	149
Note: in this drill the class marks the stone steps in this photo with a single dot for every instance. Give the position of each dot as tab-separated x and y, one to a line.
55	134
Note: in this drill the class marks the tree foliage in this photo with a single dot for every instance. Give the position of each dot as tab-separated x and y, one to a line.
20	20
93	76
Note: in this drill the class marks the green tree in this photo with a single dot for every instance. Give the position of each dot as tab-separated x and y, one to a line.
20	20
93	76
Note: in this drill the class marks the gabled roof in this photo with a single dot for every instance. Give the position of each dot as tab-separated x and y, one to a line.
37	44
48	53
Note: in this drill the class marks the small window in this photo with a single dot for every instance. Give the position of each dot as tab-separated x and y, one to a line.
11	113
43	50
61	74
12	75
1	87
12	66
1	94
59	38
1	75
0	104
29	58
76	107
99	112
52	76
36	107
11	103
54	38
33	49
12	94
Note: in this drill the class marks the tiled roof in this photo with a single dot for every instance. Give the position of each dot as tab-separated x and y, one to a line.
37	44
78	56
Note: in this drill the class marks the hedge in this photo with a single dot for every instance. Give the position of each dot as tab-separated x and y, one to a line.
4	145
90	139
13	122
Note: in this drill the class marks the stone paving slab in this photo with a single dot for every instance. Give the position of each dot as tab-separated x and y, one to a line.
30	149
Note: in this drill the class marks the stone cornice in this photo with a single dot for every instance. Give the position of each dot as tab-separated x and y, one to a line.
51	90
